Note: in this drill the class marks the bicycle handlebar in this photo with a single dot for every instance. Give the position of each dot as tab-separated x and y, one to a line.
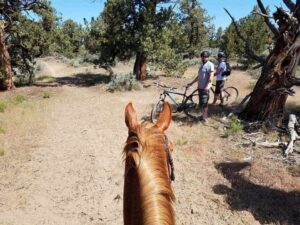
164	86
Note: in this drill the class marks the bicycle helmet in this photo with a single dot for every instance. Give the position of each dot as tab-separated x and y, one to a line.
221	55
205	54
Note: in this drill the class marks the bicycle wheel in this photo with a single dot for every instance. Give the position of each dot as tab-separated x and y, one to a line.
191	106
157	108
230	94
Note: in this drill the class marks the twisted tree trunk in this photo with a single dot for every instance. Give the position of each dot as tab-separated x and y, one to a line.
5	62
140	66
278	73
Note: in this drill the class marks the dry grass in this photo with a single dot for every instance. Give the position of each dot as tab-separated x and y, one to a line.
45	79
22	113
251	84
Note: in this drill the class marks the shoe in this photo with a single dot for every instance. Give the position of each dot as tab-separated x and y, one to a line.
204	121
200	117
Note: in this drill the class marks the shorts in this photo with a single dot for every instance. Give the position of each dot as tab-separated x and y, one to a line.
219	86
203	97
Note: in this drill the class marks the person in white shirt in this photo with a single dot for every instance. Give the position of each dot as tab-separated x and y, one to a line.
204	78
220	78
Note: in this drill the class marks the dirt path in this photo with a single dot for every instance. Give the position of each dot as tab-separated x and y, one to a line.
72	171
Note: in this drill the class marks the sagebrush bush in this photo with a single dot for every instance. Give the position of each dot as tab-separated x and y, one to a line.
124	82
2	106
234	127
46	94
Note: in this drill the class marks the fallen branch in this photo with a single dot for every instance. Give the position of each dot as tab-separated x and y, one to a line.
292	134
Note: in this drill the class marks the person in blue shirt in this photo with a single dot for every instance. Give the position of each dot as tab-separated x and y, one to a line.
220	80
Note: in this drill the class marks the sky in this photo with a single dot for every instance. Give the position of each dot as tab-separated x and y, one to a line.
79	9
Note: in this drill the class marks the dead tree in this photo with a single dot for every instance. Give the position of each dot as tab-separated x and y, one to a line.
279	68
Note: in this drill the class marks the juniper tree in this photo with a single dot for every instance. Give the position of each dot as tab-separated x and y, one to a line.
279	68
14	53
147	30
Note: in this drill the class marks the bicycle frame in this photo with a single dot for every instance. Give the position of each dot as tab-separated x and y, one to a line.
169	94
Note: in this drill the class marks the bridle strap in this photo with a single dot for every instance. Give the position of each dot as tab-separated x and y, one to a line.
169	159
131	134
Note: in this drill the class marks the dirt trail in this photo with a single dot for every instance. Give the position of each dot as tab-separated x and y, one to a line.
73	173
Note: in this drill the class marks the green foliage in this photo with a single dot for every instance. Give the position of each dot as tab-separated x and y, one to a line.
46	94
46	79
160	34
194	22
70	39
17	99
2	75
181	141
254	29
2	106
124	82
30	34
38	36
215	37
251	84
171	63
2	130
234	127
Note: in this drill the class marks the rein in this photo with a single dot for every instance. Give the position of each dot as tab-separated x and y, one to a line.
169	156
169	159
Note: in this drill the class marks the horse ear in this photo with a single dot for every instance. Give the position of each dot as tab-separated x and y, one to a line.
130	117
165	117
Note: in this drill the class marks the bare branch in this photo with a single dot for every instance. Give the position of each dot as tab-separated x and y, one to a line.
9	24
292	134
248	48
263	15
257	66
267	21
290	4
294	81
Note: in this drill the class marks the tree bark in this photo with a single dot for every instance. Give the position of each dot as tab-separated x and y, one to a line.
140	66
278	73
5	62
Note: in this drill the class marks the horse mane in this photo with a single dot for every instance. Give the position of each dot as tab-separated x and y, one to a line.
145	153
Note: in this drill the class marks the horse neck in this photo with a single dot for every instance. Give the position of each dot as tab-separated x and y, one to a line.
151	185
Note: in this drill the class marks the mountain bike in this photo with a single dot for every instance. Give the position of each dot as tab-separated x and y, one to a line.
189	104
230	94
187	101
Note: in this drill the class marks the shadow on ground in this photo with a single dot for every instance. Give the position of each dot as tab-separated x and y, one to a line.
80	80
213	110
267	205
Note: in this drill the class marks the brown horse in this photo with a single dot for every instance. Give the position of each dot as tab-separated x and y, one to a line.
148	195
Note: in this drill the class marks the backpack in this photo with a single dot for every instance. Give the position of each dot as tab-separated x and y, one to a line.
227	72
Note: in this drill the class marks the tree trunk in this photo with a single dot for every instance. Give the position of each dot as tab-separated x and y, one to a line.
5	62
278	74
140	66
